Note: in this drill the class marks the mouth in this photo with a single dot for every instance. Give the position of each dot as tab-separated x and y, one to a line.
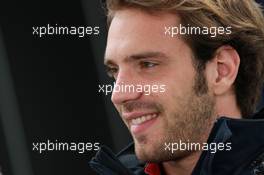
142	119
141	123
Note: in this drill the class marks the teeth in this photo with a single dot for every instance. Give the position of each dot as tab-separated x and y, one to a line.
142	119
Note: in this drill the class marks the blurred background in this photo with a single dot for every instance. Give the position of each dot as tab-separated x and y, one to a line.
49	88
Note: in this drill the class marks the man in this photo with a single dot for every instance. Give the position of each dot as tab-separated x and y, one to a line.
209	56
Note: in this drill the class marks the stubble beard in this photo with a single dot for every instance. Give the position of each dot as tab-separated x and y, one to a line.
189	122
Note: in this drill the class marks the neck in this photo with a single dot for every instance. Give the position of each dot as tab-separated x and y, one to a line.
183	166
186	164
226	106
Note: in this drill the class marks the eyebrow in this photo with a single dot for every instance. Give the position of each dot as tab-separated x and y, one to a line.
138	56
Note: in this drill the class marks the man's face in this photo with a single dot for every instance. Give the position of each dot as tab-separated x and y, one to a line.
139	53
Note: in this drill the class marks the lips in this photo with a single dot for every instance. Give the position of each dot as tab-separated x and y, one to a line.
140	122
142	119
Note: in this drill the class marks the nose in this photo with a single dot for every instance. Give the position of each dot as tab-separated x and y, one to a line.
125	89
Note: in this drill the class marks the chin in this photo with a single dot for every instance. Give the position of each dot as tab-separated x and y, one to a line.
147	152
142	151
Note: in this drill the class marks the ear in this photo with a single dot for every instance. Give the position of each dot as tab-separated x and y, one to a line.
226	63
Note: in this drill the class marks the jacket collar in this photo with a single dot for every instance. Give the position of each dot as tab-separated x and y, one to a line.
247	144
244	134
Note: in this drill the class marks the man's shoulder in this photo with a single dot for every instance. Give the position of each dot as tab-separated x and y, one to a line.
246	156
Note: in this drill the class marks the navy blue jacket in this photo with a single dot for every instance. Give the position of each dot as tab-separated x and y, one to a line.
245	158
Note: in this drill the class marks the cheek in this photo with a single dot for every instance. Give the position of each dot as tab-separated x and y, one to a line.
179	81
176	92
174	100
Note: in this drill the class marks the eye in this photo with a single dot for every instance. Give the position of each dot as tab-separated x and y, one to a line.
111	71
147	64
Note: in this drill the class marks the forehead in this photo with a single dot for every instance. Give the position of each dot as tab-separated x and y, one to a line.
133	31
